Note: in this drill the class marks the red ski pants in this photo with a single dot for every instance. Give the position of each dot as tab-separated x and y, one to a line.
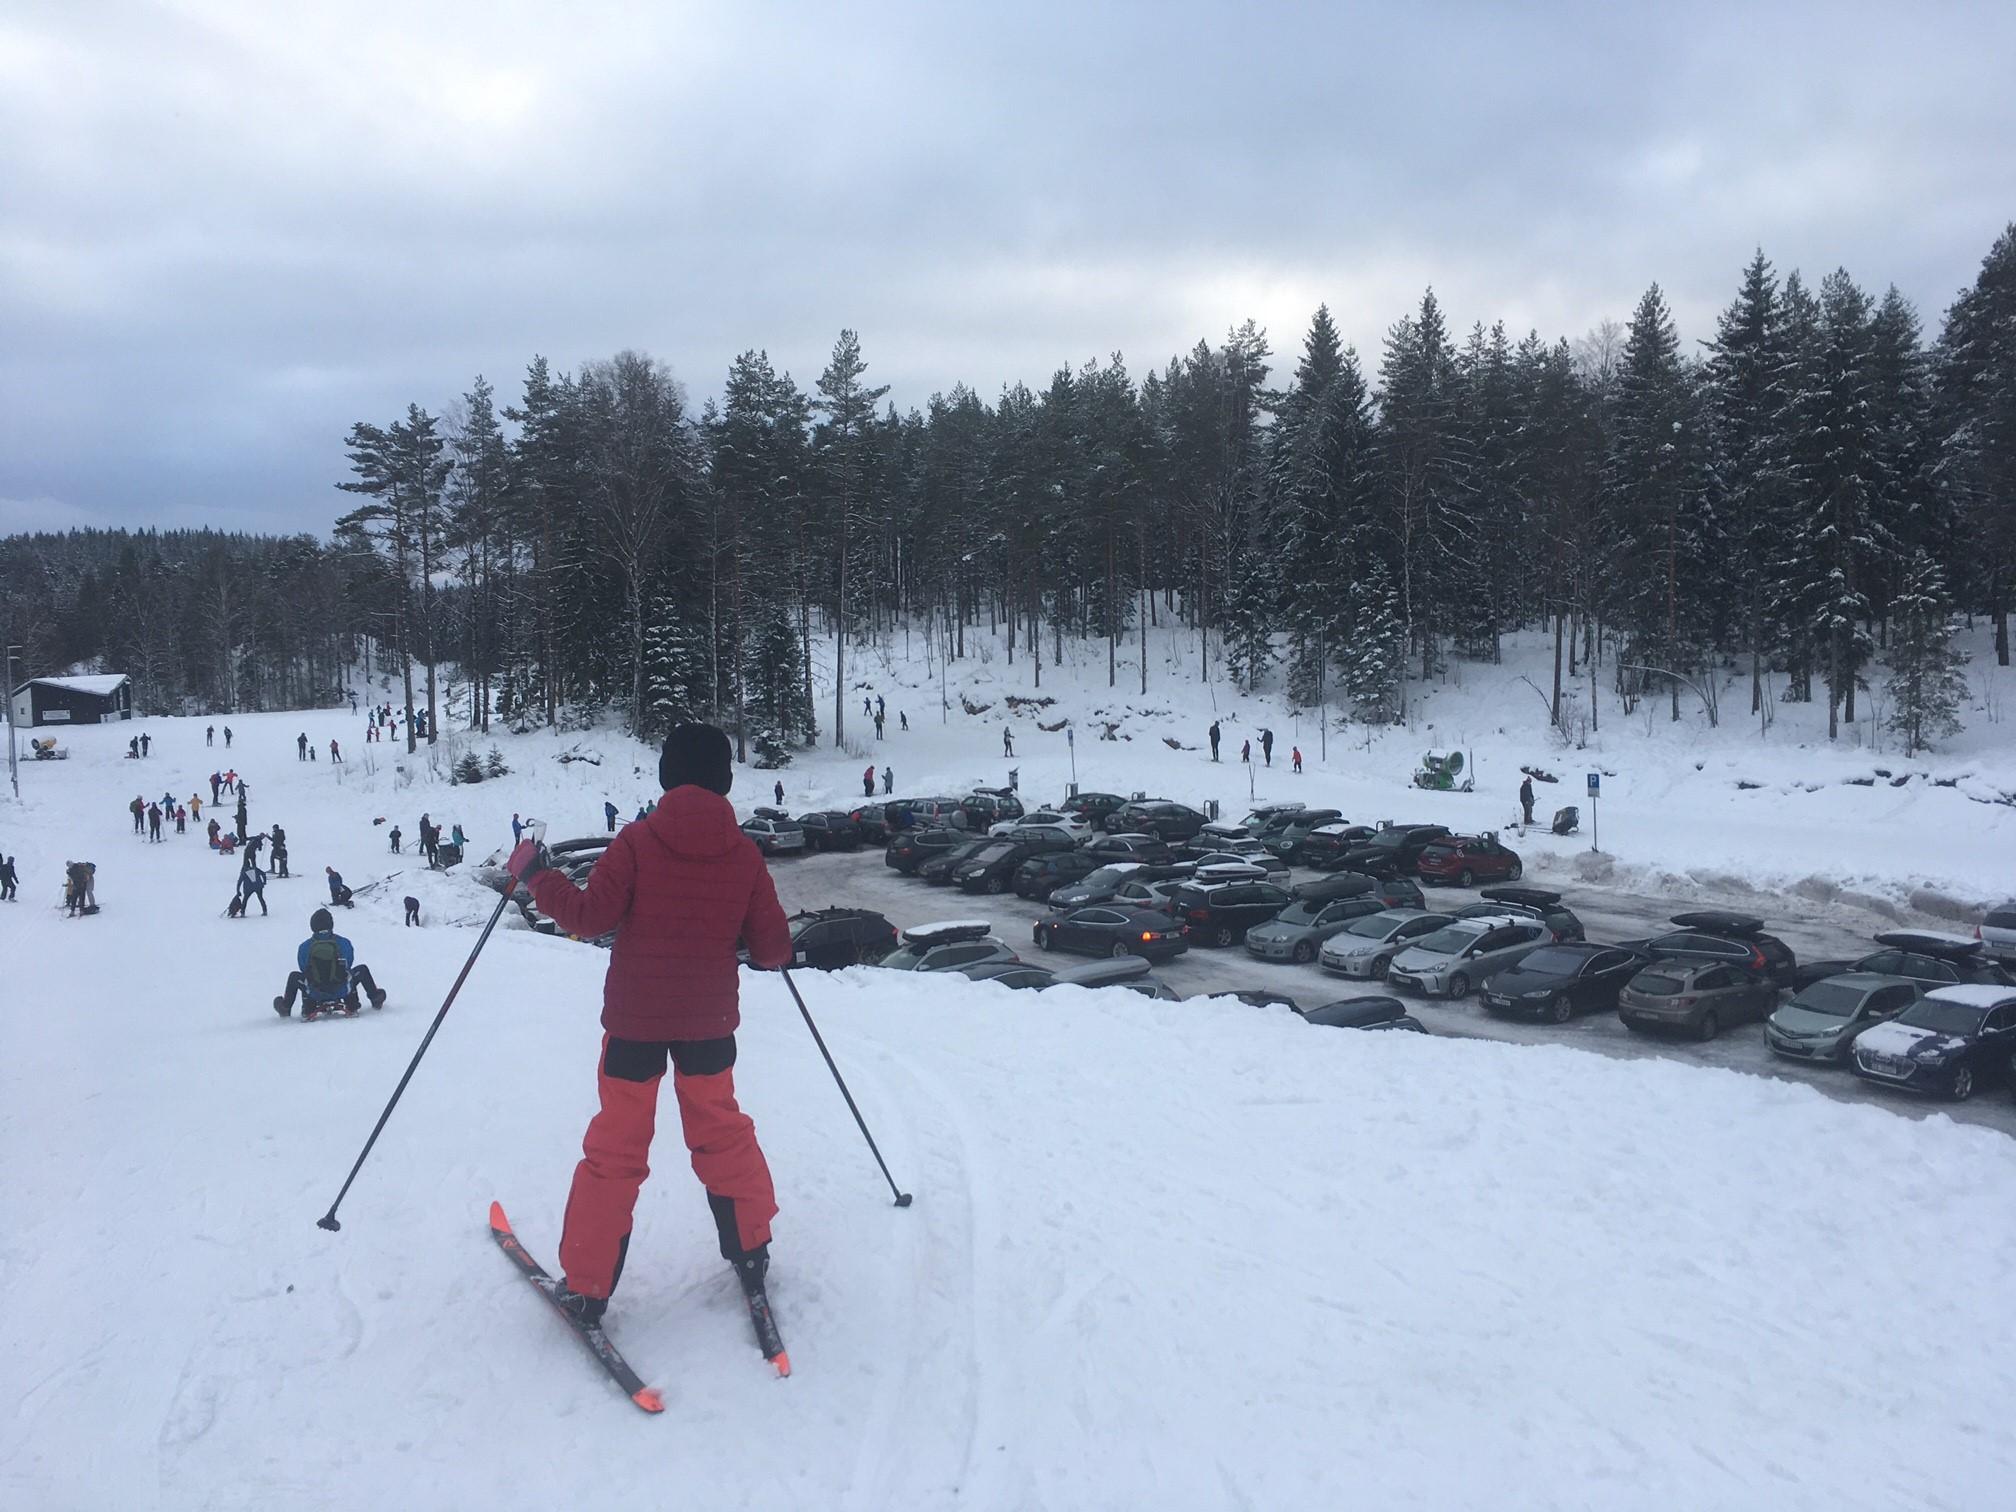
615	1155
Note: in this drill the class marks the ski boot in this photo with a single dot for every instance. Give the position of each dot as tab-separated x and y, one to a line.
378	998
280	1007
583	1309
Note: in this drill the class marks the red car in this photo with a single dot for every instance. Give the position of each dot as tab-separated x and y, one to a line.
1467	860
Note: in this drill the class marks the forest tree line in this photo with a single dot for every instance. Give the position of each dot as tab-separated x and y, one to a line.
1814	485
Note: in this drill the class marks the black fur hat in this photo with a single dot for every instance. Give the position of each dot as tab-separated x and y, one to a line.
699	755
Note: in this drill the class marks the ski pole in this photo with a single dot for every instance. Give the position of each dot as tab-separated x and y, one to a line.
902	1197
537	830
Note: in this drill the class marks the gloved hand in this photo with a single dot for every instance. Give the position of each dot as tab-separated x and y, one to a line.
527	857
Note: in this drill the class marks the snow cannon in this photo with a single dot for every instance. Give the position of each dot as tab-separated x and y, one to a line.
1443	774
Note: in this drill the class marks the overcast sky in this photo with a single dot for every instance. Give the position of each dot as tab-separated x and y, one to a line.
227	231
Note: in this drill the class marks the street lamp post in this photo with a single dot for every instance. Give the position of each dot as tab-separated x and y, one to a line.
13	760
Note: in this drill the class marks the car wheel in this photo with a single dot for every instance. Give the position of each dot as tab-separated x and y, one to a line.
1223	937
1459	987
1120	949
1466	878
1046	939
1516	873
996	885
1963	1084
1380	966
1708	1028
1560	1010
1303	953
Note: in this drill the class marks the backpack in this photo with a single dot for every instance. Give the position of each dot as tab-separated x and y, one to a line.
326	974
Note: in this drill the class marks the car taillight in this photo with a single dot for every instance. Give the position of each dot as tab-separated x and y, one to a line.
1757	961
1200	915
1683	1002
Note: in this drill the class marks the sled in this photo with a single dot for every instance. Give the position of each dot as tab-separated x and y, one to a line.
1566	820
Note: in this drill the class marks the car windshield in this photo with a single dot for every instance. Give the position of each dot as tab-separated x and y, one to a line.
1552	962
995	853
1652	984
1942	1017
1386	840
1438	852
965	852
1830	998
1373	927
1299	913
903	958
1446	941
1108	876
2001	918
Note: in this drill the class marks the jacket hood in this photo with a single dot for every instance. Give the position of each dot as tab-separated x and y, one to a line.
696	822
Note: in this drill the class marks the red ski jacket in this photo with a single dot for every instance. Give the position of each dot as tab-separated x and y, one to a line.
680	888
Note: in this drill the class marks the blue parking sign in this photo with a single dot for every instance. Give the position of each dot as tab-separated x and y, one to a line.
1595	783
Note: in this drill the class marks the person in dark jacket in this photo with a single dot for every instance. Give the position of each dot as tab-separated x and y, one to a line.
609	815
1526	797
679	890
8	879
326	975
1213	732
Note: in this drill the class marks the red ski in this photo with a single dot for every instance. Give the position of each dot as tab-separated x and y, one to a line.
590	1334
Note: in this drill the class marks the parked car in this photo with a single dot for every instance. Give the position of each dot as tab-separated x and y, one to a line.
1286	842
1822	1019
1392	892
1040	876
1259	997
1021	975
827	939
1093	808
1131	973
1220	913
1325	847
1108	929
937	870
1541	904
872	822
1258	859
1997	932
934	813
1173	822
914	847
1300	930
1149	850
1039	837
992	867
1052	820
1463	953
1258	823
826	830
1699	996
775	837
1096	886
1949	1042
1157	894
1204	843
946	947
1731	938
1467	860
1364	1013
987	807
1558	981
1928	958
1394	850
1372	936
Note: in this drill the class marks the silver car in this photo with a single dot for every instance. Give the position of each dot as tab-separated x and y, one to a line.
1367	945
1456	957
1997	933
1299	930
1820	1023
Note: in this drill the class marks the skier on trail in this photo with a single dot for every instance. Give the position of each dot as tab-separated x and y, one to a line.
457	839
209	735
240	819
1295	754
8	879
335	754
878	726
517	829
133	748
213	828
181	820
395	839
154	823
680	892
251	884
231	779
1246	752
138	809
609	815
279	852
301	746
195	805
326	975
903	721
1526	798
216	783
227	737
146	745
1213	732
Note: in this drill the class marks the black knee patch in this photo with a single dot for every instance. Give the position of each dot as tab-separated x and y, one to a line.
622	1254
703	1057
723	1209
634	1060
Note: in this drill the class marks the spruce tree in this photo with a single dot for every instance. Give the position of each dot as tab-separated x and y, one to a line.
1926	685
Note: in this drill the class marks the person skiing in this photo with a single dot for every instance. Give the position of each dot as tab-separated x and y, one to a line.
888	782
338	893
195	805
779	791
133	749
1295	753
216	782
868	781
240	820
227	737
680	892
209	735
1213	733
1267	746
1526	798
903	721
80	887
301	746
878	726
326	975
430	839
252	844
251	884
881	708
154	823
181	820
335	754
138	809
517	829
231	779
395	839
609	815
353	700
8	880
1246	752
867	707
1007	742
412	910
280	852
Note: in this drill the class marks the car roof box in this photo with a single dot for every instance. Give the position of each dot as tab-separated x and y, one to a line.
1931	942
1100	973
1531	897
1720	919
1343	884
1230	871
947	932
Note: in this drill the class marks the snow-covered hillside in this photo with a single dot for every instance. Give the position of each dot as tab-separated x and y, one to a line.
1187	1255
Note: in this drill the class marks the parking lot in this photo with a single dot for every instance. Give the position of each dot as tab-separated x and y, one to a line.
1814	931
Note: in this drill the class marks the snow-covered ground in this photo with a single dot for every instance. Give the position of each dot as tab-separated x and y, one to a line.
1185	1255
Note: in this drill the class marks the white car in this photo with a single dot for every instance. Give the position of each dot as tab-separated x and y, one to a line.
1997	933
1047	819
1461	954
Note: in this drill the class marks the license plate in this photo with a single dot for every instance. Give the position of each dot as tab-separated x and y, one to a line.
1497	1000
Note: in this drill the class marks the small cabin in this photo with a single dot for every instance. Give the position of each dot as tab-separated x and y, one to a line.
74	700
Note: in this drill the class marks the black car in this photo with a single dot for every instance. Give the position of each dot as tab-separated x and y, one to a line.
1394	850
1286	842
827	939
1388	892
1731	938
1325	849
913	848
1949	1042
1931	960
874	822
938	869
1040	876
1173	822
1101	884
1556	982
1364	1013
1541	904
1093	808
1149	850
1221	914
989	806
1106	929
829	831
991	868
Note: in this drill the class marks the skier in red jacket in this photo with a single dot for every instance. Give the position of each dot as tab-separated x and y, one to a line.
680	889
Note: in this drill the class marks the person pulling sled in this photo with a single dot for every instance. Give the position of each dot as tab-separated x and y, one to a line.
327	977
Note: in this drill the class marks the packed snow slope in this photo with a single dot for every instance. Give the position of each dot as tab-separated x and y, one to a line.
1183	1255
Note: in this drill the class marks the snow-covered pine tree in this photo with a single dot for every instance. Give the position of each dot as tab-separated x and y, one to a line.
678	681
780	713
1926	684
1372	661
1252	610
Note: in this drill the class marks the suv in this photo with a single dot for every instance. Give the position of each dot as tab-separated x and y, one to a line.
1286	842
913	848
1157	816
1040	876
827	939
989	806
1947	1042
1929	959
1326	846
1463	952
1732	938
1467	860
1221	913
1391	892
874	821
1997	932
1093	808
775	836
1696	995
992	867
1259	822
826	831
930	813
946	947
1053	819
1394	850
1541	904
